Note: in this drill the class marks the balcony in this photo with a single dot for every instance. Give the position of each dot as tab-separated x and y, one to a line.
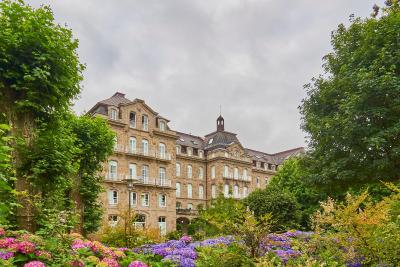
113	177
231	176
143	153
189	212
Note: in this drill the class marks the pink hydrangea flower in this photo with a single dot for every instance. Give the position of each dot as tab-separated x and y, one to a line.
186	239
77	263
110	262
6	242
137	264
34	264
78	243
26	247
43	254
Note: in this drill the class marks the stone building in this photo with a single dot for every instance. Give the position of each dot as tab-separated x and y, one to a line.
174	174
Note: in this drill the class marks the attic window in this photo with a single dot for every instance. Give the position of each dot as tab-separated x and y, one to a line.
182	140
210	141
194	142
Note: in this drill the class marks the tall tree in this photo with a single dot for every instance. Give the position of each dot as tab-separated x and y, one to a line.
40	74
351	113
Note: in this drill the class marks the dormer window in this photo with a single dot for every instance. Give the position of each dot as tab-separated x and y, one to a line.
114	114
210	141
132	120
178	150
145	123
189	151
201	154
162	126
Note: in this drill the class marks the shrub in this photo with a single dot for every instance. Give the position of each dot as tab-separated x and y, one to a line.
233	255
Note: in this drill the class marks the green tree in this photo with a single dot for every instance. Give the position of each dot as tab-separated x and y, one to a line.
6	196
40	75
279	202
96	141
351	113
290	177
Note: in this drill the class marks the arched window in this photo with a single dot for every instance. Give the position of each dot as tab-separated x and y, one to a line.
178	169
201	153
189	171
226	190
213	172
163	178
178	190
112	170
201	192
162	150
132	144
189	151
145	123
201	173
145	147
236	191
189	191
213	191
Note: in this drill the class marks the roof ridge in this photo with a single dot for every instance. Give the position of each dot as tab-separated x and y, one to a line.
196	136
289	150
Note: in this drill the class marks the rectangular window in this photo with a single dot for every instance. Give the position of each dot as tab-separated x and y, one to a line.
189	191
133	199
112	170
162	126
145	199
113	220
163	178
145	174
145	123
178	190
132	120
201	192
145	147
162	224
132	145
114	114
201	173
113	197
132	171
178	169
213	191
162	201
213	172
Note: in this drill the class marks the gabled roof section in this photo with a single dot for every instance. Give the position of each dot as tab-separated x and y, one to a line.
277	158
185	139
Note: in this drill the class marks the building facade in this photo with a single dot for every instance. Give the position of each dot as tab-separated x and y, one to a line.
174	174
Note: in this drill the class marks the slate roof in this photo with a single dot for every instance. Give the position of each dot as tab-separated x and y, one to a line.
276	158
220	139
190	140
116	100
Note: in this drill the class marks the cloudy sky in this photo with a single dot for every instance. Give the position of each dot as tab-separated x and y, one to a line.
185	58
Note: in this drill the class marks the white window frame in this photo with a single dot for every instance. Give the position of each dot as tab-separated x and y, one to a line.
178	189
189	171
113	220
114	114
133	196
201	192
190	206
132	171
145	147
163	176
162	126
113	197
162	200
213	191
245	191
189	190
236	173
178	149
178	169
145	199
132	123
226	171
145	173
113	165
162	149
226	190
213	174
190	151
236	191
201	173
132	144
145	122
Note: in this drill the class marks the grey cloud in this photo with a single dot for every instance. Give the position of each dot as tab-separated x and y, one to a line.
187	57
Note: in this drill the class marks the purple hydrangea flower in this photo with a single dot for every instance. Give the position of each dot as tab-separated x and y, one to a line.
6	255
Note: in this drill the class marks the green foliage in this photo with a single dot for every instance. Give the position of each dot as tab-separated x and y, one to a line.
358	230
95	141
7	200
278	202
351	113
223	256
290	177
39	66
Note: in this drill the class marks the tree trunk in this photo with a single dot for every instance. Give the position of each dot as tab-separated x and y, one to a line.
76	197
